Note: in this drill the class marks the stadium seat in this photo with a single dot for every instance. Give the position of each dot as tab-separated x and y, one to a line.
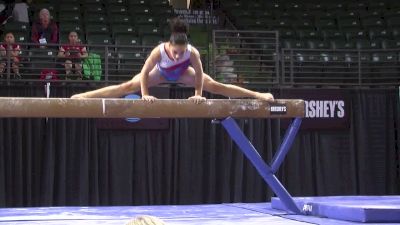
373	22
95	18
334	7
239	13
309	34
376	13
66	1
303	24
333	34
255	6
94	8
124	39
41	59
259	13
250	23
16	27
68	27
395	32
294	7
390	44
115	2
148	29
356	6
130	62
314	7
293	43
92	1
395	12
99	39
367	44
21	37
162	3
384	57
349	23
145	20
69	17
97	29
317	44
151	40
119	19
378	33
114	9
342	44
287	34
352	34
70	8
281	24
393	21
347	15
273	6
126	29
138	11
323	24
374	5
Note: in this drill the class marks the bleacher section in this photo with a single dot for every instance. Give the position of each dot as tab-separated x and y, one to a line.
334	43
279	42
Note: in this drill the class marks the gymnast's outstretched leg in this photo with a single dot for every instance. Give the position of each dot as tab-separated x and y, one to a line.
119	90
227	90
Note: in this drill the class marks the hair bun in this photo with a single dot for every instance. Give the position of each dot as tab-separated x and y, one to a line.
178	26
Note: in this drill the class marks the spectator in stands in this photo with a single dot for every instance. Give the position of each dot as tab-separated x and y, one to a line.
73	53
20	12
146	220
44	31
9	52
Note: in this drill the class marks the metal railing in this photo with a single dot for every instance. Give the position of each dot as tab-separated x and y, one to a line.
118	63
340	67
239	57
246	57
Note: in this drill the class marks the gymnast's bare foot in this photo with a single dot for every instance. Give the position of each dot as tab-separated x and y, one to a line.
77	96
265	96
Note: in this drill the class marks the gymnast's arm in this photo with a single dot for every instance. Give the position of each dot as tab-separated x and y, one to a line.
198	70
151	61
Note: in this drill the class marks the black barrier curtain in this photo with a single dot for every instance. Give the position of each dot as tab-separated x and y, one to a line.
57	162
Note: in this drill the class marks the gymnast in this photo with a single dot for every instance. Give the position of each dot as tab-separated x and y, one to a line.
174	61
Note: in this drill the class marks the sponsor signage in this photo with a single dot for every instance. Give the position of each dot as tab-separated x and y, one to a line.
324	109
196	16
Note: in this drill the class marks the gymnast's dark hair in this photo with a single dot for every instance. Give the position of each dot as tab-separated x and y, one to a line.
179	30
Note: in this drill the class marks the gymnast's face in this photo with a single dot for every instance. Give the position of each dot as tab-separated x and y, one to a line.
177	51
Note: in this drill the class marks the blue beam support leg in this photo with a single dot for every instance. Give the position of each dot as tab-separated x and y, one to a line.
263	169
286	144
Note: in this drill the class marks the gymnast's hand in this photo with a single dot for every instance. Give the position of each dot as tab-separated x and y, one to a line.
148	98
197	99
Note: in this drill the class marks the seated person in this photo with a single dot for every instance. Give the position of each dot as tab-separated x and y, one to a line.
73	53
9	52
44	31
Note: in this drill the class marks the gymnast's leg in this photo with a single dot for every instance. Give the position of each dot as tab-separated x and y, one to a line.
227	90
119	90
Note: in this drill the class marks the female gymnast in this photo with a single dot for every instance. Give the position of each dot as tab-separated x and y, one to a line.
174	61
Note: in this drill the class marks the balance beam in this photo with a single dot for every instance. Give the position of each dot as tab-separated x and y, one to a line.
160	108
